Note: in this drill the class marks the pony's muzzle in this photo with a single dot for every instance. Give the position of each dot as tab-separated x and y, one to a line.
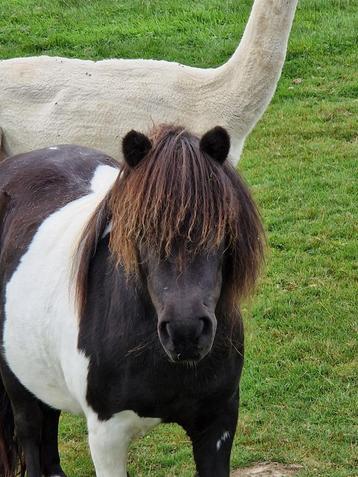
189	339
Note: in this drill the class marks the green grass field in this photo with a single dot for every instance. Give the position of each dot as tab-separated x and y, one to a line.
299	389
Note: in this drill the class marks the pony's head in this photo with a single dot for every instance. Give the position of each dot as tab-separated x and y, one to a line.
185	226
184	220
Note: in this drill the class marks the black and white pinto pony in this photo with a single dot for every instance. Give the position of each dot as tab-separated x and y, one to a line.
119	289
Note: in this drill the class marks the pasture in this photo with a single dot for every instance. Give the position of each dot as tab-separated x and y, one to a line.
299	388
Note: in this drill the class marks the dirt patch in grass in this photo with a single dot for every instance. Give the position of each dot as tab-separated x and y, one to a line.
267	469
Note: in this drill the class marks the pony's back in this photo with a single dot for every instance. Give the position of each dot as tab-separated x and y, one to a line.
36	184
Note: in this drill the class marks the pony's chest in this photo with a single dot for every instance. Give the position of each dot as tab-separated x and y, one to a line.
167	391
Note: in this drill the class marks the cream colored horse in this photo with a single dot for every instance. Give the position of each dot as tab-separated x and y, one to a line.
51	100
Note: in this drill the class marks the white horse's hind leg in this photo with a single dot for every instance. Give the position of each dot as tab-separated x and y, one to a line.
109	441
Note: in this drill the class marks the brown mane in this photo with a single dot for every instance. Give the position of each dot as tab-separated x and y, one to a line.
178	197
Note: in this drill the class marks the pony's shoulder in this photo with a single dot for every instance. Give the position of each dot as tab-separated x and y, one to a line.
69	156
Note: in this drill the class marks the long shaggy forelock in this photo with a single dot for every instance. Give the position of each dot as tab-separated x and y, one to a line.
180	198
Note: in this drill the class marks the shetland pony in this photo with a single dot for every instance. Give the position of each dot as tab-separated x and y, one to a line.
119	290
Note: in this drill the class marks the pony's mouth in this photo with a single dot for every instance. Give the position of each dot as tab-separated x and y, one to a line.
190	361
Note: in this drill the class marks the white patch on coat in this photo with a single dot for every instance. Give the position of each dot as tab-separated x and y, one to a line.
223	438
109	440
41	326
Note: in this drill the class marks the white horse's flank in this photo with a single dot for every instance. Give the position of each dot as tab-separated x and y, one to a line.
50	100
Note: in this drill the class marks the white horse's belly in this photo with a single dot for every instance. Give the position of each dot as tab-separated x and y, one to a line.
41	325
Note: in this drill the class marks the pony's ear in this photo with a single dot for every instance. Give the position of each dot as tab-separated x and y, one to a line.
216	143
135	147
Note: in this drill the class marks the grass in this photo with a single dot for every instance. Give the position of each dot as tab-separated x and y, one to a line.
299	389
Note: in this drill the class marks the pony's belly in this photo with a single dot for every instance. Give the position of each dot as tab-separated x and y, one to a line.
33	345
35	375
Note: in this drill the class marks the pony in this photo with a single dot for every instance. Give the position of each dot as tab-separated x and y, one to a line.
119	297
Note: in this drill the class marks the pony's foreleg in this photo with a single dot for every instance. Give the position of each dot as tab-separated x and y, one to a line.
109	441
212	438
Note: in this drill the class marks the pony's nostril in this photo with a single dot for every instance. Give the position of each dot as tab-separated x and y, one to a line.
164	330
200	328
206	326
